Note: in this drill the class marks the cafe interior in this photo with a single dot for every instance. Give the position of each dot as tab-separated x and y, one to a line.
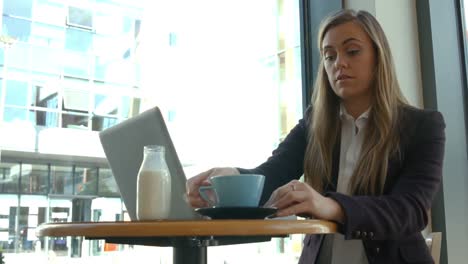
71	69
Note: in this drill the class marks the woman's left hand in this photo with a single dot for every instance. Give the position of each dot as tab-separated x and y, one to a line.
298	198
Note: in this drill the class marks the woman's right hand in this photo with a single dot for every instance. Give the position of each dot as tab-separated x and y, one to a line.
202	179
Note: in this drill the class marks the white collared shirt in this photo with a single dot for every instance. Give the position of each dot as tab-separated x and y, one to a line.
352	136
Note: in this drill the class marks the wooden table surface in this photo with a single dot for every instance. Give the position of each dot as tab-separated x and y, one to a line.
171	228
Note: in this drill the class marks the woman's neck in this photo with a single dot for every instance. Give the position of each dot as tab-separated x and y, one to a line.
356	108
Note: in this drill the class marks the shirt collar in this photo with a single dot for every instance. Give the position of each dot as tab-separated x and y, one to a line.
345	114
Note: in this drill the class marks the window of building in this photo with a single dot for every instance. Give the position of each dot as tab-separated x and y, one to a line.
86	181
19	8
80	17
50	12
61	180
18	56
44	59
107	186
47	36
16	28
16	93
78	40
9	176
34	179
76	64
14	114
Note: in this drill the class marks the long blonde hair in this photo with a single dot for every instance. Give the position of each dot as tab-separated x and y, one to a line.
382	135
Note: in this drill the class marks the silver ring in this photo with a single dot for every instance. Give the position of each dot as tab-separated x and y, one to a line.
293	187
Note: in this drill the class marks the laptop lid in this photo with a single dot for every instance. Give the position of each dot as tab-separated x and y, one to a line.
123	146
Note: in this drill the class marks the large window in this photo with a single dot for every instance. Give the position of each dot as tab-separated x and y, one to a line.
227	78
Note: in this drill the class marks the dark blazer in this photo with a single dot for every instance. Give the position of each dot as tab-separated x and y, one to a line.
389	225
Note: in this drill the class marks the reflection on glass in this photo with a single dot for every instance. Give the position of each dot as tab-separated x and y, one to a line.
79	17
75	64
47	35
44	96
52	12
107	186
18	56
21	8
78	40
46	60
86	181
2	56
75	121
17	28
34	178
100	123
12	114
16	93
7	222
112	24
61	180
9	176
44	118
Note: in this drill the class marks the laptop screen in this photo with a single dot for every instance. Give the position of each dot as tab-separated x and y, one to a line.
123	146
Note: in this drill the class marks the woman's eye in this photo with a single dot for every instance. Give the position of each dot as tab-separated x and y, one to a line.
353	51
329	57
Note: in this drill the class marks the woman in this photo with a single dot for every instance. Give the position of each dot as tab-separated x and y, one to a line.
370	161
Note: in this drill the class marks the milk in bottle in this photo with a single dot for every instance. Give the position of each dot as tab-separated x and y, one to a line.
153	185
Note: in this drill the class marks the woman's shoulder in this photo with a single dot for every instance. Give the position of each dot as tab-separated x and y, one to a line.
413	115
416	122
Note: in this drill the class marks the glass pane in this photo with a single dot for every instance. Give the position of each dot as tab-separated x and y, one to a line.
80	17
106	104
76	121
16	93
2	56
9	176
86	181
102	122
116	70
113	24
20	8
76	100
7	222
78	40
47	35
76	64
44	96
61	180
18	56
59	212
17	28
130	107
12	114
34	209
46	60
44	118
34	179
51	12
107	186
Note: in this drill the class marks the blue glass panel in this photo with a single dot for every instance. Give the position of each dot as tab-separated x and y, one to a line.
78	40
18	7
44	118
46	60
17	28
16	93
18	56
11	114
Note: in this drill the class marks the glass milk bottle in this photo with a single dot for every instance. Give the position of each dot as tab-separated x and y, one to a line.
153	185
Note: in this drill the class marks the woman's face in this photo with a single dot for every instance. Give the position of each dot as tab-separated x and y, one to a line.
350	61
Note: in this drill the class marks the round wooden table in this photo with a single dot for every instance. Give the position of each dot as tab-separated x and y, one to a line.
189	239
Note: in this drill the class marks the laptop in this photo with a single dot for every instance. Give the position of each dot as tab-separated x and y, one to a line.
123	146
